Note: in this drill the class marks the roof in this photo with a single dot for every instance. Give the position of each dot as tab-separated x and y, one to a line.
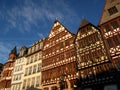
105	17
14	51
83	23
60	24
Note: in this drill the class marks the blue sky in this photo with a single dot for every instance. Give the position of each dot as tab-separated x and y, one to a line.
22	22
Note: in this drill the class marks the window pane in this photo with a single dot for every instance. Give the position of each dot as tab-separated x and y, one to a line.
107	28
112	10
110	43
114	25
116	40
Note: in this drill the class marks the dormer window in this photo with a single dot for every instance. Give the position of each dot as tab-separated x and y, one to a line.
112	10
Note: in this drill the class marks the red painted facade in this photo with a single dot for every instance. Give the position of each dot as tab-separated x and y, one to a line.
58	57
110	29
6	75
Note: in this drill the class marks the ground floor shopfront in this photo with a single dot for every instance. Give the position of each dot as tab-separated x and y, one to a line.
61	85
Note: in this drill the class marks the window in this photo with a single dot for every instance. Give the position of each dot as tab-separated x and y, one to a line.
116	40
21	67
94	55
66	43
110	43
13	77
37	47
19	77
87	57
67	54
31	60
82	31
83	58
33	49
112	10
28	83
36	57
39	67
61	57
19	85
16	77
100	52
107	28
28	61
15	69
26	70
13	87
96	37
71	41
41	45
29	51
34	69
40	55
30	70
114	25
37	81
33	81
61	45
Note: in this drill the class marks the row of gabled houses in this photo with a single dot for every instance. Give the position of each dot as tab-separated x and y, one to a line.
87	60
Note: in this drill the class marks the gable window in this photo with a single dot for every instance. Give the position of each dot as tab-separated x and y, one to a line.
112	10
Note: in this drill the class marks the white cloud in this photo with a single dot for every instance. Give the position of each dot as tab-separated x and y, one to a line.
41	35
29	13
22	17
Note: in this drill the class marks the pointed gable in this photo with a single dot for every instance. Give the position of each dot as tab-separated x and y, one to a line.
111	10
57	33
56	28
83	23
86	27
14	51
13	54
